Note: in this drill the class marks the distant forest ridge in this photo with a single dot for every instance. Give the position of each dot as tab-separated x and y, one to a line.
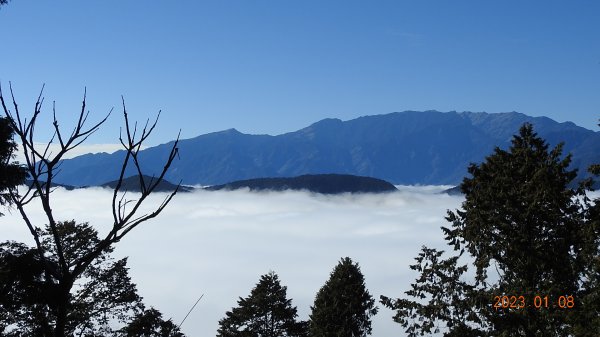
404	148
318	183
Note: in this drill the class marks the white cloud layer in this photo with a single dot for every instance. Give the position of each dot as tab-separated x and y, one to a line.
219	243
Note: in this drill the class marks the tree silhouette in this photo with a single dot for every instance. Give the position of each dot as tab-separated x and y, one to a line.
53	251
522	222
11	174
266	312
150	323
343	306
30	296
587	320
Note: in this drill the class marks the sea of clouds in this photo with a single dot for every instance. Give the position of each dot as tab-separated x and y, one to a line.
220	243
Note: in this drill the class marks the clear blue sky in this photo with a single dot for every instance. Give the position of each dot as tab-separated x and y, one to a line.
277	66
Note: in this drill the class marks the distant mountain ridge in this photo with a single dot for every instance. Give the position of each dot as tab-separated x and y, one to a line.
410	147
317	183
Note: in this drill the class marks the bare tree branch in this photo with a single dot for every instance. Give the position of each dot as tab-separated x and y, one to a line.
43	167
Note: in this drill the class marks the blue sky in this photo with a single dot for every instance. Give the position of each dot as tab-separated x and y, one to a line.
277	66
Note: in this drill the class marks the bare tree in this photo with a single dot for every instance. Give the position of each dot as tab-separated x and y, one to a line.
43	166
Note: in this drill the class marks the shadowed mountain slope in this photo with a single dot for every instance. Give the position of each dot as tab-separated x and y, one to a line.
408	147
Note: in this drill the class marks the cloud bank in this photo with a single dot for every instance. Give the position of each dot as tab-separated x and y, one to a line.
219	243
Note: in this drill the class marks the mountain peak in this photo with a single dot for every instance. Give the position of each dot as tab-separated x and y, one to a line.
327	122
227	132
231	131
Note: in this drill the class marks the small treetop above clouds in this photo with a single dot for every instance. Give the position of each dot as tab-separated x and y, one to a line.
343	306
266	312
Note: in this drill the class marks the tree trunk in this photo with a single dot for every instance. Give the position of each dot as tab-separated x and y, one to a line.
62	309
61	318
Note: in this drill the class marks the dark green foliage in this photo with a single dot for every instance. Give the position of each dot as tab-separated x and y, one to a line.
150	323
11	174
22	290
31	295
266	313
587	322
521	223
343	306
451	299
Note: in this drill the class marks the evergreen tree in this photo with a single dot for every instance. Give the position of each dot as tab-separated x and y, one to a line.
588	320
29	291
11	174
265	313
150	323
343	306
522	222
105	294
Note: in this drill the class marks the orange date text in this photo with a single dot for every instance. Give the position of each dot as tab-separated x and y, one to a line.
539	302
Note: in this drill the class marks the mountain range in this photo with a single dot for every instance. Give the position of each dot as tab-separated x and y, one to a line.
409	147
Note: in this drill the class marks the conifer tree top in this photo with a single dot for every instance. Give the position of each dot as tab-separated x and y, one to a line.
343	306
266	312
